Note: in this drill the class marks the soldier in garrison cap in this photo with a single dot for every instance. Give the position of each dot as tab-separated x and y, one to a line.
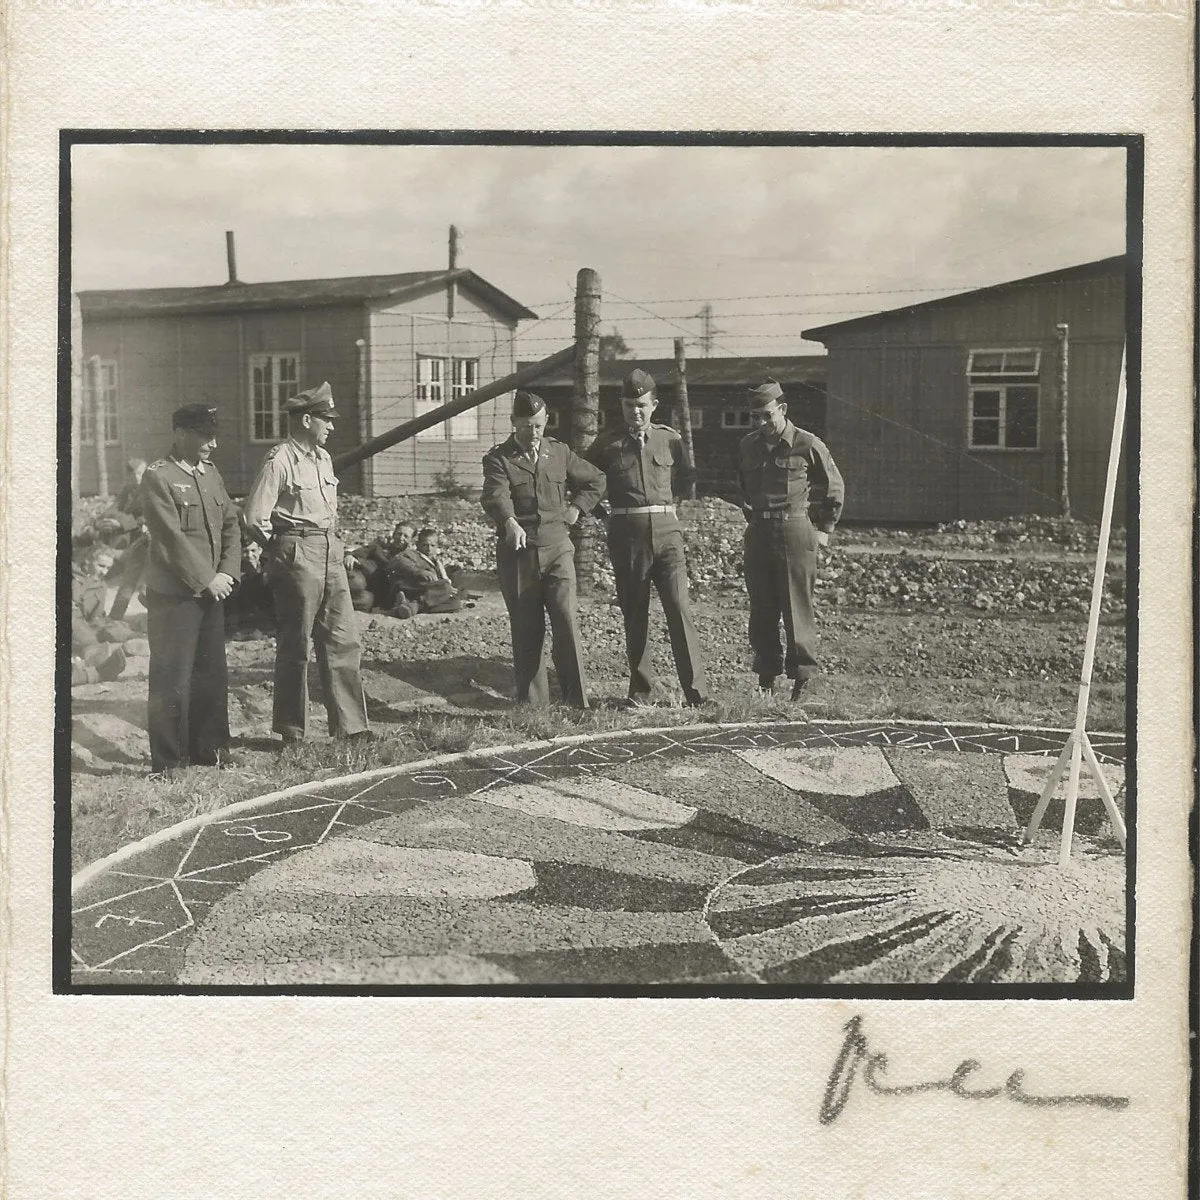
292	512
534	488
792	496
647	471
194	559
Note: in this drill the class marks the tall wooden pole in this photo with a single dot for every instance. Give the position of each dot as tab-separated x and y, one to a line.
1063	401
97	402
585	403
366	476
685	410
1078	747
76	391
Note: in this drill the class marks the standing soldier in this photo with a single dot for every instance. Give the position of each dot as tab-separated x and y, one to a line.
647	469
194	558
792	497
533	488
292	511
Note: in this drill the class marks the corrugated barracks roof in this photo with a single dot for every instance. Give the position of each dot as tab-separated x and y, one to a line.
1097	267
797	368
289	293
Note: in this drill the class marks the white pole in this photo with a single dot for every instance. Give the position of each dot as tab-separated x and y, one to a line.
1089	648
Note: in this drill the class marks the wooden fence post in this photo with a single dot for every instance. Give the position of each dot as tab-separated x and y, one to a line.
685	411
585	408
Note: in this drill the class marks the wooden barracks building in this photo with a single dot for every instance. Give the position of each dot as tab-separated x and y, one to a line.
391	347
951	408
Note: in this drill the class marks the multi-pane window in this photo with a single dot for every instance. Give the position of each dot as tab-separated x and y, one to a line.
736	418
1004	393
440	380
274	379
100	377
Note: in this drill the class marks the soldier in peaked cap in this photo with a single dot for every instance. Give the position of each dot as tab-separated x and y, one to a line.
534	487
647	471
292	512
792	496
193	562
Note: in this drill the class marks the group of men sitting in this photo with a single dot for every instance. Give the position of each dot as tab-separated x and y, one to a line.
402	573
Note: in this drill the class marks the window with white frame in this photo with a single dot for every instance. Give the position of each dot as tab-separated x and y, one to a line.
100	377
736	418
274	380
1004	398
696	416
552	418
443	379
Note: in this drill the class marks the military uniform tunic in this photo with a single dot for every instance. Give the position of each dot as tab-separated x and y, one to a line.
292	510
539	581
647	547
193	529
790	488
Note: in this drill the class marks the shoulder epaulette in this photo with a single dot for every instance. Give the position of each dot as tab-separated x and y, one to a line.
162	462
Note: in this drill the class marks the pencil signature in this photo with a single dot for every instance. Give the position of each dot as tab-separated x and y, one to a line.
856	1053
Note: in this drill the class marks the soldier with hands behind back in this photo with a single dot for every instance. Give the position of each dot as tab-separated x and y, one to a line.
792	496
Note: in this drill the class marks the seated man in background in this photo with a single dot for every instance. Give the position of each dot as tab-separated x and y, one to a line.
372	586
422	582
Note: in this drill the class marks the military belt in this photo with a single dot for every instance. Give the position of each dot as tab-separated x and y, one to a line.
304	532
773	514
645	508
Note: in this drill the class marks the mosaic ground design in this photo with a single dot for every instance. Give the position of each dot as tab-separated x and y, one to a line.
785	856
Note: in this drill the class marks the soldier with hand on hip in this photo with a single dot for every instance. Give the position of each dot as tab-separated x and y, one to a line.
292	512
534	488
647	471
193	562
792	494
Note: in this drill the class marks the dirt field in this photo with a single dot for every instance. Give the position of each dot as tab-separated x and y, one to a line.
438	684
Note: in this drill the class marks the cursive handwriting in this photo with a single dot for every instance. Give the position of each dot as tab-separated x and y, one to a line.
855	1053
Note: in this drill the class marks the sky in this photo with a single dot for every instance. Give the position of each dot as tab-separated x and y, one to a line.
776	239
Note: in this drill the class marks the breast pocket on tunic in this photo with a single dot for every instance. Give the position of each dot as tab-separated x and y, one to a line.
190	519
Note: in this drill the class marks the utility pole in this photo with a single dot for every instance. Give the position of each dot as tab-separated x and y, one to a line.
585	403
1063	401
708	329
685	411
97	404
452	287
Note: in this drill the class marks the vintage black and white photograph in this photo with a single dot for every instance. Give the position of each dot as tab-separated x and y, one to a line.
641	565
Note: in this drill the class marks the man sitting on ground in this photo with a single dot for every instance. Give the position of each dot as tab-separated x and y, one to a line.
422	582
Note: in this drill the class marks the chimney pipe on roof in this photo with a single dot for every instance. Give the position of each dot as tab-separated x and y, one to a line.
231	257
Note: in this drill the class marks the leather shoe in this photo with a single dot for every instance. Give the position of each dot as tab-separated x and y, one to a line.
361	735
219	758
797	687
696	700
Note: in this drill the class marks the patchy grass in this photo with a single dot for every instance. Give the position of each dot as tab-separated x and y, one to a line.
879	665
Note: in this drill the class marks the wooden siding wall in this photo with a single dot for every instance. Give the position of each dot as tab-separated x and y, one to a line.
399	333
167	361
898	405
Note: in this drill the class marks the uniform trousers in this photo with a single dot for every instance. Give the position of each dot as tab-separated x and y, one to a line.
642	556
539	582
781	567
313	609
188	718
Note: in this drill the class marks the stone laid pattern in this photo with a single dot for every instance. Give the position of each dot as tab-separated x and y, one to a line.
789	855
